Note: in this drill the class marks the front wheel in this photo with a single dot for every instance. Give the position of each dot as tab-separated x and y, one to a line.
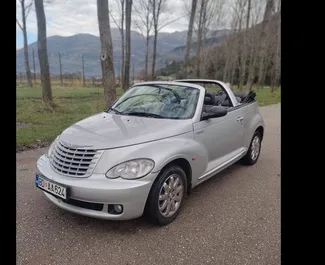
254	150
166	196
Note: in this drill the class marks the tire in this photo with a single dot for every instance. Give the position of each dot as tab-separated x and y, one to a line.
250	159
156	209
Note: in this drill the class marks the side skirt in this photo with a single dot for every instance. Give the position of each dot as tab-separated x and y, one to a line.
221	167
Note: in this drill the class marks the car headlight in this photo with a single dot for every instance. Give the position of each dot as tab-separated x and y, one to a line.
52	146
132	169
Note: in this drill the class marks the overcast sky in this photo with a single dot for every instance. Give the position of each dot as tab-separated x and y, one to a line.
69	17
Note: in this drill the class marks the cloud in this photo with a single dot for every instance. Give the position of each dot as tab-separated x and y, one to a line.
69	17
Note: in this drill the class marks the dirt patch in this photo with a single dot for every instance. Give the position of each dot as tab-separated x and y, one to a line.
37	145
22	124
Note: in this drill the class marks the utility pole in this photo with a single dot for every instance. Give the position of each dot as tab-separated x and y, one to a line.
83	71
60	69
34	67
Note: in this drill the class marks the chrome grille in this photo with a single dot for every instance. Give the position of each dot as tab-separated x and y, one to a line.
73	162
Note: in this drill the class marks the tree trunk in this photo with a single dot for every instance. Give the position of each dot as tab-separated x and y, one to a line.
278	53
147	55
60	64
123	45
42	51
156	5
107	62
251	70
128	10
26	57
225	72
154	53
263	47
199	39
189	36
34	66
244	50
83	70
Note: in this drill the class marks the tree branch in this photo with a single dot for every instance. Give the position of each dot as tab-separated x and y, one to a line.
117	25
19	24
166	24
28	8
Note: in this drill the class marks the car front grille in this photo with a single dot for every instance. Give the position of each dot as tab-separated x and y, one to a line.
73	162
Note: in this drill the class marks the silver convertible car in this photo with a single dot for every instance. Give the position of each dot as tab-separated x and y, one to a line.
149	149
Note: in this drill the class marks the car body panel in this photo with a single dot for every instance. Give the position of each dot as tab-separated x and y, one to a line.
106	130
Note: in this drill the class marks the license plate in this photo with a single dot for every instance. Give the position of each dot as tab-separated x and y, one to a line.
51	187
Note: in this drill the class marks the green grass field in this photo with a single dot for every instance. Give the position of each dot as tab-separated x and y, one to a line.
71	104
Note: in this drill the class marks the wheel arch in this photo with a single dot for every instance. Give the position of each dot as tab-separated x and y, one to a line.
260	129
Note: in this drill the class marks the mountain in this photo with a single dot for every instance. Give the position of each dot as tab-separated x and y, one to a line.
177	54
72	48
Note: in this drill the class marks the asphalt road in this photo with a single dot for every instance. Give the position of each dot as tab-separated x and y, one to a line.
233	218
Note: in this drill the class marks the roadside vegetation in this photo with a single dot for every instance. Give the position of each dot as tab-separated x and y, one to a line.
248	58
38	123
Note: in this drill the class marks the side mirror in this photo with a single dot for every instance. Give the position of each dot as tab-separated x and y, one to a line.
215	112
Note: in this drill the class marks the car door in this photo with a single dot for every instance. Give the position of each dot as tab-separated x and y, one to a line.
221	137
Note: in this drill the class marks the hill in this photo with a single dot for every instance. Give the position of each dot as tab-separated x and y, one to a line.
171	46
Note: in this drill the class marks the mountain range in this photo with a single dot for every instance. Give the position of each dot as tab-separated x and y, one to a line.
170	47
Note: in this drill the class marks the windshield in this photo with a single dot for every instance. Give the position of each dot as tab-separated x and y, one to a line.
158	101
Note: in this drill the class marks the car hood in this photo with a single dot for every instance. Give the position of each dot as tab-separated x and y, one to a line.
106	130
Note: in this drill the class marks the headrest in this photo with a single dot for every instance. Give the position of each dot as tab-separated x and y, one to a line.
207	101
209	98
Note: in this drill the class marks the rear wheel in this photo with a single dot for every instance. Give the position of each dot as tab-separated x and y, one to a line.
166	196
254	150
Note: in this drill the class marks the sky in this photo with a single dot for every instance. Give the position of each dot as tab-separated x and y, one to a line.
70	17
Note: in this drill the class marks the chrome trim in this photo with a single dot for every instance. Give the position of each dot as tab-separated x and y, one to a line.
74	162
223	165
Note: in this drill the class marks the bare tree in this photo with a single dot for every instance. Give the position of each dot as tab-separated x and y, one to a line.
277	54
128	10
199	37
156	7
25	8
209	17
107	62
263	42
34	65
60	65
189	35
243	46
144	13
120	25
42	51
251	44
253	41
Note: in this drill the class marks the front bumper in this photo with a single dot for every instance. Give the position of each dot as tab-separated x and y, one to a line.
98	189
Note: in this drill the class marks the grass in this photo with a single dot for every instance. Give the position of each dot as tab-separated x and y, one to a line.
46	122
72	104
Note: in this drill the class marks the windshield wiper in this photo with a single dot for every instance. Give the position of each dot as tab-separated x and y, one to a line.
115	110
143	114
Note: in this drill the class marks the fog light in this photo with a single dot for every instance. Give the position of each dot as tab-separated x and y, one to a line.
118	208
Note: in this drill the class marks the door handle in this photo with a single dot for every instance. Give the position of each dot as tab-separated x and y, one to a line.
240	119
